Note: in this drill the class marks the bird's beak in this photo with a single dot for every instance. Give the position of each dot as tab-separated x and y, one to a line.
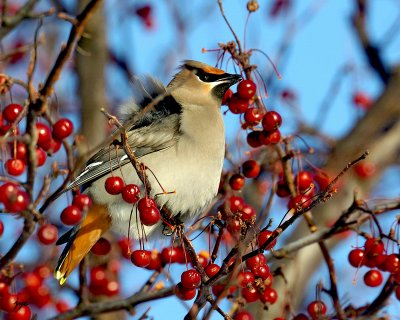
231	78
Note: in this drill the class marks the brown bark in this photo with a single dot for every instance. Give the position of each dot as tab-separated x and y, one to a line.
91	60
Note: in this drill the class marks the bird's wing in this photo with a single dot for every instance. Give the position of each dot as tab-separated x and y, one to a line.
157	136
155	130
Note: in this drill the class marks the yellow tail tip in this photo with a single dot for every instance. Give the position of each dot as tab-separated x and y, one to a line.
60	276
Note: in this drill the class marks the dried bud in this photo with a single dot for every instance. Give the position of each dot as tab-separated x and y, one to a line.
253	5
4	84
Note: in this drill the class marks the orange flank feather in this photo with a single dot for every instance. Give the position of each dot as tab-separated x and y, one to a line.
96	222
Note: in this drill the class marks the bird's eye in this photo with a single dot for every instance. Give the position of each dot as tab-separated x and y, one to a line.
204	77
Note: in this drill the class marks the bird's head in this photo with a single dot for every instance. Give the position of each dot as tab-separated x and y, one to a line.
200	84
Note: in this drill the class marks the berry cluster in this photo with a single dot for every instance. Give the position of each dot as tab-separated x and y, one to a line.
147	207
190	280
13	197
102	279
72	214
48	140
240	102
34	290
250	169
236	213
374	256
307	184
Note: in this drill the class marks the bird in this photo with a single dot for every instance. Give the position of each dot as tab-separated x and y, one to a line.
181	139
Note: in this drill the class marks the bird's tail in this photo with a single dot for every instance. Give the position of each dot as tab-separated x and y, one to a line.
81	239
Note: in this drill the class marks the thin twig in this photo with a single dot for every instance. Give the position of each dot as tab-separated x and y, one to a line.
221	8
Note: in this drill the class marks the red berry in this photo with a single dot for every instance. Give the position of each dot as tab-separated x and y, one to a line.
257	260
155	261
253	139
245	278
233	226
40	156
303	180
114	185
62	306
236	203
17	201
47	234
11	112
184	293
243	315
101	247
248	213
267	137
40	296
373	278
392	263
261	271
18	151
97	275
238	105
356	258
112	288
140	258
125	247
8	302
299	201
246	89
227	96
272	120
32	279
43	271
253	116
236	181
361	100
269	296
263	237
282	189
51	146
316	309
250	294
82	201
14	167
251	169
190	279
322	179
373	247
364	169
62	129
8	190
22	313
398	293
211	269
218	289
44	134
148	212
71	215
170	255
99	288
131	193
